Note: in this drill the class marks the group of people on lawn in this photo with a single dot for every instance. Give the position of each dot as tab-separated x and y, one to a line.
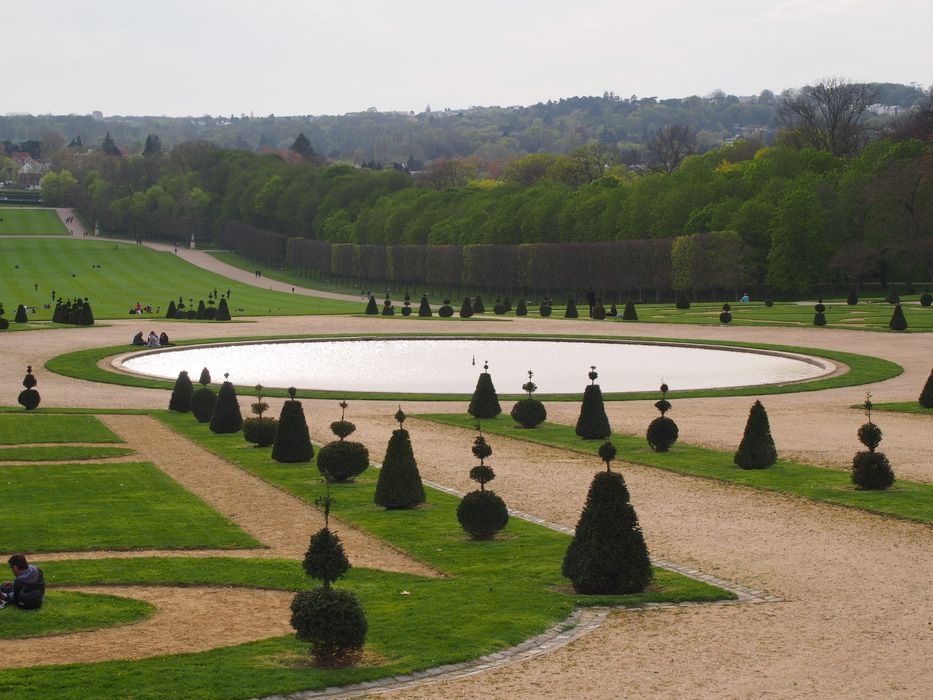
27	589
153	341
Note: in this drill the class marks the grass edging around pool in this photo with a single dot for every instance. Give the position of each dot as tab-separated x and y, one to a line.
862	369
907	500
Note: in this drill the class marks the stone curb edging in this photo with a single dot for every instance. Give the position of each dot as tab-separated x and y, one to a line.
579	623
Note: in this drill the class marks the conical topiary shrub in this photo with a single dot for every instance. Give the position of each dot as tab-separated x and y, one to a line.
682	301
171	310
485	402
662	431
292	440
926	396
259	430
201	313
871	470
332	621
852	299
21	316
372	309
399	485
341	460
898	322
223	311
630	314
522	308
529	412
181	394
446	310
466	309
593	423
226	417
86	317
608	554
478	306
756	451
29	398
424	309
892	297
203	400
571	310
614	311
4	324
482	513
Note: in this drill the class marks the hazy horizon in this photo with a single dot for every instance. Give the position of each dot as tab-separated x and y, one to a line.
188	59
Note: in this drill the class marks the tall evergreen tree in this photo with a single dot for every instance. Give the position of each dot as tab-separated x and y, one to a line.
153	147
302	146
109	147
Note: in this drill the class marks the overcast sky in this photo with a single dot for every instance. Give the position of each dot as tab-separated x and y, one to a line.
193	57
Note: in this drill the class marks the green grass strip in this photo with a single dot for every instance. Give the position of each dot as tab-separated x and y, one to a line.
31	222
901	407
28	428
76	507
70	611
863	369
908	500
61	453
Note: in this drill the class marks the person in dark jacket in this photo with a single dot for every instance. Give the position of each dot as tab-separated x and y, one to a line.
27	589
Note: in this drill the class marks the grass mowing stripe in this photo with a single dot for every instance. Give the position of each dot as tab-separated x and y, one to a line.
908	500
26	428
61	453
71	611
31	222
499	593
863	369
76	507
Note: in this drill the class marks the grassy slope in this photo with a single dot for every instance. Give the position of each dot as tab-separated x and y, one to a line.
130	273
108	506
906	499
31	222
22	429
70	611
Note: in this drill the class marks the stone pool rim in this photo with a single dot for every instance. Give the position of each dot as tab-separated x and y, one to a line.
832	367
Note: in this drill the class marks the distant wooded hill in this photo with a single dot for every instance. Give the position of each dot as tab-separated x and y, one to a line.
489	135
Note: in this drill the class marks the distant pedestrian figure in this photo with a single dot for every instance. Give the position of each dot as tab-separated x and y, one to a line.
744	298
293	290
36	285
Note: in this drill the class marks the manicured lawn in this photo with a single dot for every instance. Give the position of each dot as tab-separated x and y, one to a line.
70	611
73	507
863	369
60	453
495	594
902	407
24	429
129	273
906	499
31	222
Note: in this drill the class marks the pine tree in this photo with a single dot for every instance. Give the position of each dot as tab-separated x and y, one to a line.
153	147
593	423
608	554
399	485
226	417
485	401
109	147
302	146
181	394
756	451
292	439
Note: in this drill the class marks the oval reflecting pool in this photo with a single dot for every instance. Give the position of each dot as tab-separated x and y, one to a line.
450	366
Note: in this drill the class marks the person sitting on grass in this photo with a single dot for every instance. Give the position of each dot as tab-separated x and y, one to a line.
163	338
27	589
138	339
153	340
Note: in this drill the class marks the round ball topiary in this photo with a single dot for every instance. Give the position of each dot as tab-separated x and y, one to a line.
292	441
342	460
608	554
202	404
769	302
482	514
926	299
820	307
870	435
260	431
4	324
871	471
662	433
725	317
406	311
529	413
332	621
544	311
325	559
181	393
342	428
499	309
446	310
